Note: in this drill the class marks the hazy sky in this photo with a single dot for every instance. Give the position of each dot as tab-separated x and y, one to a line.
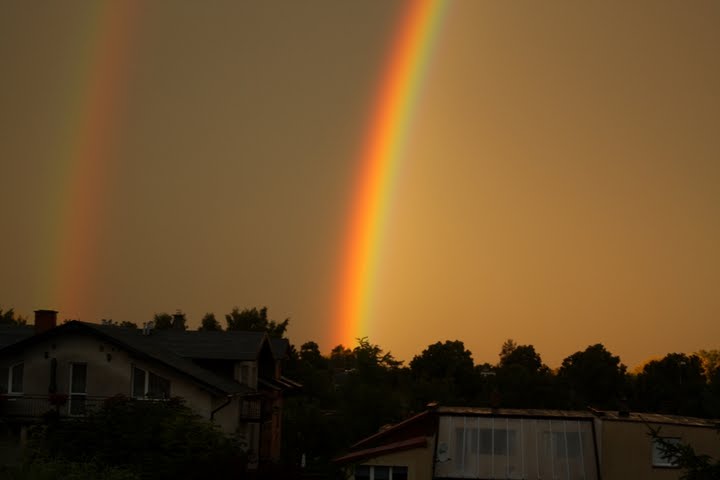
561	184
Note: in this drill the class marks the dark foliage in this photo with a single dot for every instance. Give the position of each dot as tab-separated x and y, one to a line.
152	440
254	320
695	466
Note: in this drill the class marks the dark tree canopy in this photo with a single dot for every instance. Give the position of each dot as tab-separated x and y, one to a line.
521	355
674	384
443	360
210	324
8	317
254	320
163	321
594	376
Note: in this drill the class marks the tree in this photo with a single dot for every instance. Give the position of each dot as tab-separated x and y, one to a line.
522	355
158	440
8	317
443	360
126	324
444	372
210	324
696	466
310	355
674	384
522	379
162	321
255	320
593	376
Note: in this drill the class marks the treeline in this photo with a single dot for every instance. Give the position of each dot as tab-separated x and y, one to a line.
351	393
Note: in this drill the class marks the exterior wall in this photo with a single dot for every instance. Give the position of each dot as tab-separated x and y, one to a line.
419	461
627	449
109	373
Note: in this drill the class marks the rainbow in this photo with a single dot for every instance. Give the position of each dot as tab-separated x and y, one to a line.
379	163
93	102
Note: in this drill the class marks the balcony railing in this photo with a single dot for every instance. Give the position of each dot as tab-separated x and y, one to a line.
250	409
32	406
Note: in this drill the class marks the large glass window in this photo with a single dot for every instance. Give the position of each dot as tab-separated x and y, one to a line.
507	447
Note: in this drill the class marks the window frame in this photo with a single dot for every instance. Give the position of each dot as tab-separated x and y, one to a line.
146	384
78	396
11	377
656	457
392	471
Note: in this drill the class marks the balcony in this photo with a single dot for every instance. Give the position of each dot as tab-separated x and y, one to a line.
33	406
250	409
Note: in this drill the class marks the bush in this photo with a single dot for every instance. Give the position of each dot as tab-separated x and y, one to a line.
147	439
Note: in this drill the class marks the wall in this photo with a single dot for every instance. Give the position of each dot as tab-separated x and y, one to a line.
108	373
419	461
627	449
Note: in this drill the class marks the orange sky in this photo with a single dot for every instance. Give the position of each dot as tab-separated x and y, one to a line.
560	186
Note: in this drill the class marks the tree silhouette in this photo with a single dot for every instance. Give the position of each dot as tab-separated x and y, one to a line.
594	377
210	324
255	320
162	321
8	317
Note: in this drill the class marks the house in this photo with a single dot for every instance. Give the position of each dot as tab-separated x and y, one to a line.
231	378
483	443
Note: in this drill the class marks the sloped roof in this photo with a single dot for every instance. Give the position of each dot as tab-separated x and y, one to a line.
514	412
142	346
232	345
10	334
279	347
660	418
409	444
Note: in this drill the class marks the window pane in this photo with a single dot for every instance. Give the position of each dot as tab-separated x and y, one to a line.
659	458
399	473
17	378
362	472
382	473
79	378
158	387
138	383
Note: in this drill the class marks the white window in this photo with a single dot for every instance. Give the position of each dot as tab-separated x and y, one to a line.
78	388
148	385
659	457
380	472
11	379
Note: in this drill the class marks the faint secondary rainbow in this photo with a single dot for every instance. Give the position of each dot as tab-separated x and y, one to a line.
93	101
382	153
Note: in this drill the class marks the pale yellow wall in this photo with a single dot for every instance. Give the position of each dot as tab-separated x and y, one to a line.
419	461
108	378
627	449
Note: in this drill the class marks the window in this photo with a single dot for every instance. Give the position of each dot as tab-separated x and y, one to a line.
15	378
146	384
11	379
380	472
659	458
78	388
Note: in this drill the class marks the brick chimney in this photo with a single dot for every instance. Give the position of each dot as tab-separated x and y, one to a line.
45	320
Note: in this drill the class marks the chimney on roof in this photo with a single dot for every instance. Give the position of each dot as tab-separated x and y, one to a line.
178	322
45	320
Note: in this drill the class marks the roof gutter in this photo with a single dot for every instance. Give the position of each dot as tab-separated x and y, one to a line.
227	402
